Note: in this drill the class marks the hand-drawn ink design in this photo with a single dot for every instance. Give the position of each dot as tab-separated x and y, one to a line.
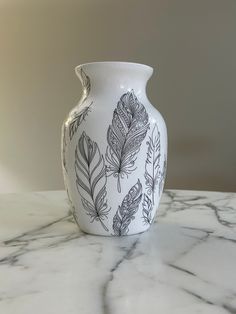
147	210
64	144
163	175
85	82
127	210
78	119
152	165
125	135
91	179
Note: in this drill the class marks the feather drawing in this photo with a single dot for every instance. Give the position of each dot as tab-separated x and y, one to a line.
77	120
127	210
147	210
85	82
125	135
91	179
163	175
64	143
152	164
80	116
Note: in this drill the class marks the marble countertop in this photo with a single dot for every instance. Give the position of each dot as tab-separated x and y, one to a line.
186	263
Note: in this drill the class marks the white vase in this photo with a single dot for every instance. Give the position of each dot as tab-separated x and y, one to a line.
114	150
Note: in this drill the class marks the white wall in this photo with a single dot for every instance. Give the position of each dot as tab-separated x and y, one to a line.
191	44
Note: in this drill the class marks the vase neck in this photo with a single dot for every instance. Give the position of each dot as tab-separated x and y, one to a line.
100	77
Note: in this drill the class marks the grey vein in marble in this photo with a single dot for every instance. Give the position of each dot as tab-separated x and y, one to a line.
184	264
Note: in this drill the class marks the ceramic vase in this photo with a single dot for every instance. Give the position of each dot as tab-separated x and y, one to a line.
114	150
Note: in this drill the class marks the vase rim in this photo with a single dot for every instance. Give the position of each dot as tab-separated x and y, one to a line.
114	63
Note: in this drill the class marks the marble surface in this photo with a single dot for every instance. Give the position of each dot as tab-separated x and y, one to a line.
186	263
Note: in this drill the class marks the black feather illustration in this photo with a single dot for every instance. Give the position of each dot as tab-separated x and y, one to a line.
77	120
85	82
91	179
147	210
127	210
163	175
152	165
125	135
64	144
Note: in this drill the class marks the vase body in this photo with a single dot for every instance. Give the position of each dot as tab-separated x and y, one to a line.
114	150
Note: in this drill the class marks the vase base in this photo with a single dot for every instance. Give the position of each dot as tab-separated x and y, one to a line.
107	235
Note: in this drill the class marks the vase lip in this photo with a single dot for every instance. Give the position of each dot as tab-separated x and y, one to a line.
115	63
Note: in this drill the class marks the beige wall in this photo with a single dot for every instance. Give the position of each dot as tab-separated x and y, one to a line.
191	44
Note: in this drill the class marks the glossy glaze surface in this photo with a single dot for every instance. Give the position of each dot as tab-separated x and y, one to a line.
114	150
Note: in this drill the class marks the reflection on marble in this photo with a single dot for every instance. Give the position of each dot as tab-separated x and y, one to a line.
184	264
